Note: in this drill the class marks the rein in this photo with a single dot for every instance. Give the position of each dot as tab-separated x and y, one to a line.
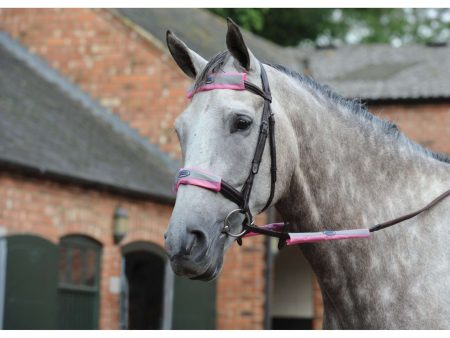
210	181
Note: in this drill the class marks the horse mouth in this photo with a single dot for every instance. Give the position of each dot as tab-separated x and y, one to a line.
215	262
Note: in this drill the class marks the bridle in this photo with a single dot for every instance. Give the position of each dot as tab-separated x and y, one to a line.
198	177
207	180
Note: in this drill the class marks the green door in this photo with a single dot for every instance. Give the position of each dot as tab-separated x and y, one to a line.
194	306
31	283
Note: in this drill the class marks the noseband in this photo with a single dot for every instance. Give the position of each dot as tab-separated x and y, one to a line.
207	180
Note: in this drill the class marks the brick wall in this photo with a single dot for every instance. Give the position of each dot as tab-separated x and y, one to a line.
137	80
52	210
425	123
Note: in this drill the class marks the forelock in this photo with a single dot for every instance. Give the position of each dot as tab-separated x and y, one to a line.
213	66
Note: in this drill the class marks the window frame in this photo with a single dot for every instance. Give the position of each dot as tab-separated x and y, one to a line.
84	244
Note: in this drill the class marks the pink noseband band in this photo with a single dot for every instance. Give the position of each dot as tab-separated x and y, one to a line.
198	177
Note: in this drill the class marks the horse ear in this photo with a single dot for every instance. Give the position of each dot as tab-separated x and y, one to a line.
237	47
189	61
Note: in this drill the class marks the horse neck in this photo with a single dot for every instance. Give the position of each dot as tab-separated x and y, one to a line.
350	169
351	173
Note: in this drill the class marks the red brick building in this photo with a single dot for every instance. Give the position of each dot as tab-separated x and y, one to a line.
71	174
119	59
131	74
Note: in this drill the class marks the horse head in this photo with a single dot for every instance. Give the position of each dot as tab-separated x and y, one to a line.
218	132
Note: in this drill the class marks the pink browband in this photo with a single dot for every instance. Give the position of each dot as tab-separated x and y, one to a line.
207	180
229	80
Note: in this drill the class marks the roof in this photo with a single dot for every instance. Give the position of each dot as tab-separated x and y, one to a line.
382	72
372	72
202	31
50	126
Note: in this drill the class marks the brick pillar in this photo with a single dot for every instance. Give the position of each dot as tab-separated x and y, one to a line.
109	291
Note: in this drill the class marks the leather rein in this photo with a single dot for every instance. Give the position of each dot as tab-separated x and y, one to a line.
207	180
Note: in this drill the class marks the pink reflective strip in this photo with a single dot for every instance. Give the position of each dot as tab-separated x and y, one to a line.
311	237
215	186
299	238
199	177
240	85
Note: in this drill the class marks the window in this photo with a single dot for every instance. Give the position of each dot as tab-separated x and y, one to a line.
79	263
79	280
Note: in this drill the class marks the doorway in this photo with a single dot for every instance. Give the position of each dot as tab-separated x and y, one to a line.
292	307
144	272
146	294
153	297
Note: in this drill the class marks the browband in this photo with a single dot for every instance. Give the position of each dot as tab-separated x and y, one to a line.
228	80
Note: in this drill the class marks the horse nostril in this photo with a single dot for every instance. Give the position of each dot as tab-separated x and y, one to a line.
165	235
196	239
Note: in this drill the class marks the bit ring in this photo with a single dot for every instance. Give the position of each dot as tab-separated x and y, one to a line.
227	227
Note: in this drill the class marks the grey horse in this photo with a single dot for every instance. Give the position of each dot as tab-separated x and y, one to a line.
339	167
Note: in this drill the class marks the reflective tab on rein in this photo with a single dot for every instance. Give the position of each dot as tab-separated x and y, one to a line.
327	235
229	80
314	237
199	178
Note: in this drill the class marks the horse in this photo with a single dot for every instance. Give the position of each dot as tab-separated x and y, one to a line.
338	166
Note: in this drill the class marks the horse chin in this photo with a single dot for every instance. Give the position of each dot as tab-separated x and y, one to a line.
211	272
215	262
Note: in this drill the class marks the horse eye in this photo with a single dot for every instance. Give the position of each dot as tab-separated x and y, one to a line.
241	123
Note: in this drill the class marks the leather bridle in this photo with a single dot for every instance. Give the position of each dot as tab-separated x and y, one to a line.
242	198
204	179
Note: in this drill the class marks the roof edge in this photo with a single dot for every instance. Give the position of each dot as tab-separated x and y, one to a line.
44	70
139	30
32	171
407	101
